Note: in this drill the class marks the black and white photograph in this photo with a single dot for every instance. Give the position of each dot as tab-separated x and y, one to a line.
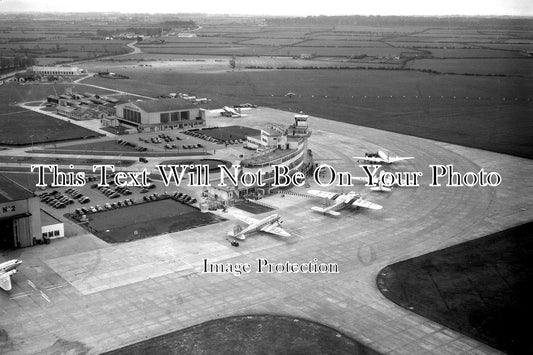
264	178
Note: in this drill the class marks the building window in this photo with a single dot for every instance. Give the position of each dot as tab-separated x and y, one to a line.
56	232
44	235
184	115
50	234
132	116
175	116
164	117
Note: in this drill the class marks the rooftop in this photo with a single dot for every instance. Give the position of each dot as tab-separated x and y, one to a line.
163	105
47	219
268	157
11	191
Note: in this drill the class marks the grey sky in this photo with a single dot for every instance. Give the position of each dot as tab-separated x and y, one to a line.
281	7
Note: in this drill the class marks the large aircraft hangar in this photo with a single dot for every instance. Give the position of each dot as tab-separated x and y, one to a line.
20	217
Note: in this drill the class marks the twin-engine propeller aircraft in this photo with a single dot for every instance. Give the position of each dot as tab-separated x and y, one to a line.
382	157
341	200
230	112
380	185
6	270
270	224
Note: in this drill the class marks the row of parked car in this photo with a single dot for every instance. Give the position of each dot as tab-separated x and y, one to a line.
112	193
140	148
197	134
75	193
107	206
183	197
55	199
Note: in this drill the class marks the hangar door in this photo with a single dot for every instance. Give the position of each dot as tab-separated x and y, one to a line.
15	231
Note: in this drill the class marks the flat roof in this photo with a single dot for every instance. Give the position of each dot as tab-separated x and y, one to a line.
163	105
47	219
11	191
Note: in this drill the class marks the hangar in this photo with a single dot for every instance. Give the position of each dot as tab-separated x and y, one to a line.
20	216
162	114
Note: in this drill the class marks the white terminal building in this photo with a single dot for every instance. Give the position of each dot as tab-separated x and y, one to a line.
276	145
162	114
62	71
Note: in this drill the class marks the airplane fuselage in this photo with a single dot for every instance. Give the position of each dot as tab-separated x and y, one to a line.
259	225
9	265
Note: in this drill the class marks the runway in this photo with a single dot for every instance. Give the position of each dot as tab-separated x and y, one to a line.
125	293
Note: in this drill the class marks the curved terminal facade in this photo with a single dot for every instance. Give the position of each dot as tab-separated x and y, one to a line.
277	145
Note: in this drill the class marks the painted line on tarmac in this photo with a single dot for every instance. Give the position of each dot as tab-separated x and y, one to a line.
35	288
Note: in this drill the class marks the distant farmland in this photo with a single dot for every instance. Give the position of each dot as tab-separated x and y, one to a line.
478	112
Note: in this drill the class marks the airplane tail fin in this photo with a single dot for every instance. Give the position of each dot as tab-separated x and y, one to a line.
5	281
235	232
239	236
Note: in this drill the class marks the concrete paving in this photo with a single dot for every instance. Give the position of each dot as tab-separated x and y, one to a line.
82	294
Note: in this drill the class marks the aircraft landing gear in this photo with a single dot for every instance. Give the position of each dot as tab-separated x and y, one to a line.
233	242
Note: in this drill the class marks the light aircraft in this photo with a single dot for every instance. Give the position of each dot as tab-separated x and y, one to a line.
382	157
290	94
270	224
230	112
341	200
380	186
6	270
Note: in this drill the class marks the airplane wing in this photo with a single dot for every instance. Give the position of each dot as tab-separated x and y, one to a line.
360	178
366	204
272	228
371	159
325	210
324	194
5	282
248	220
395	159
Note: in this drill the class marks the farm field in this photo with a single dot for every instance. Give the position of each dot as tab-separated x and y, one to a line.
467	107
481	66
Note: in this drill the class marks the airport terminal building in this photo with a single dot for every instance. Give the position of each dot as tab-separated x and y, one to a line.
62	71
20	216
162	114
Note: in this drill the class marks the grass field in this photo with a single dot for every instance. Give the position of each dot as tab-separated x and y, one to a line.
147	219
478	288
26	127
230	132
254	334
491	113
252	207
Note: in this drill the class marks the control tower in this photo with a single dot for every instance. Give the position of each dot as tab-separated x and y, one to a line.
300	127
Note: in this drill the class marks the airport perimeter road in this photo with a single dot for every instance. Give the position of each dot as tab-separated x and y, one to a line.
100	297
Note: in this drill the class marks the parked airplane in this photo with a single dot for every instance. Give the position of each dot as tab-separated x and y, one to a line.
230	112
270	224
380	186
382	157
6	270
341	200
